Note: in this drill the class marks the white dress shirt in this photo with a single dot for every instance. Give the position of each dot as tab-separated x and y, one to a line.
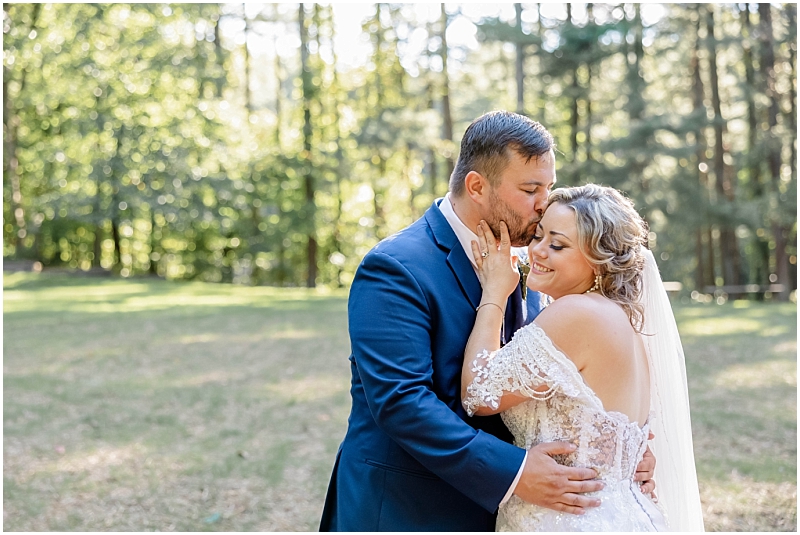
465	237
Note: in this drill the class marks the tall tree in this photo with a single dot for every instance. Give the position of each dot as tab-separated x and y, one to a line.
753	159
447	116
779	231
310	208
520	62
704	245
724	184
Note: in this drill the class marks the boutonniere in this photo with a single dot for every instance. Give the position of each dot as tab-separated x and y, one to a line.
524	268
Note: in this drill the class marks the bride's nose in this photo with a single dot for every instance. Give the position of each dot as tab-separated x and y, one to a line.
538	249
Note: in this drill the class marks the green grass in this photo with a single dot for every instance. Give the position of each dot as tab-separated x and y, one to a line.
142	405
741	361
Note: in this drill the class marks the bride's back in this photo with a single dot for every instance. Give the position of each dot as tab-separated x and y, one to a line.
596	334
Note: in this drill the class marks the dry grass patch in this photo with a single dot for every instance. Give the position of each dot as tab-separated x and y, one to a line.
148	405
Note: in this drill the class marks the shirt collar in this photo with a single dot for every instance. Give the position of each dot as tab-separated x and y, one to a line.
463	233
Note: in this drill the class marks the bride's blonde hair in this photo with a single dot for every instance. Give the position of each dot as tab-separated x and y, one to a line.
611	235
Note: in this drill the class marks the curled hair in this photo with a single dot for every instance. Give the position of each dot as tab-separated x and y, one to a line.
486	146
611	235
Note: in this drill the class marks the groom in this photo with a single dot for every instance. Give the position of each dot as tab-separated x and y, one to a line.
412	460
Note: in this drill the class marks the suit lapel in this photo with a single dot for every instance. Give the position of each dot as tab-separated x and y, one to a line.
456	258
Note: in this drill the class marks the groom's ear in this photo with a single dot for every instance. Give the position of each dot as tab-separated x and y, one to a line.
476	186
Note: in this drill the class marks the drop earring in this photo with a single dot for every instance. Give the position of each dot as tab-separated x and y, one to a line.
596	286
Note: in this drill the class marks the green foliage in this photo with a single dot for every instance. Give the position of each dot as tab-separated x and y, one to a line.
145	138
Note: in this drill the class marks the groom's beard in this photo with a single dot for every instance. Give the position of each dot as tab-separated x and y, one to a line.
520	230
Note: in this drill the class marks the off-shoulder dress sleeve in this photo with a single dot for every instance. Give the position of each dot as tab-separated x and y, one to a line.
529	365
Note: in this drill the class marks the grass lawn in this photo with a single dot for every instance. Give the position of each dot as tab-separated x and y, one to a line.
139	405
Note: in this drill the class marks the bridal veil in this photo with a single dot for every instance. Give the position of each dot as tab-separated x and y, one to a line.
675	476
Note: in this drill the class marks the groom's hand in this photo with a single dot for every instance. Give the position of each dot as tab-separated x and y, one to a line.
645	471
548	484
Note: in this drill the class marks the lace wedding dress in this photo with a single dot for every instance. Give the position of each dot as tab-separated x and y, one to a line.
566	409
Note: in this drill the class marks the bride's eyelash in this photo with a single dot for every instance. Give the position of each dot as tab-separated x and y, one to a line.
553	247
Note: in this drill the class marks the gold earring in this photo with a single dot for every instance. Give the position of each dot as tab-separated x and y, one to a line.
596	286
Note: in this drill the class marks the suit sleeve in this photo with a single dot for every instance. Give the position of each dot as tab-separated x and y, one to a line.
390	331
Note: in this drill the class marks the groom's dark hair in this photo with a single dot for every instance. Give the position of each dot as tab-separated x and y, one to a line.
487	144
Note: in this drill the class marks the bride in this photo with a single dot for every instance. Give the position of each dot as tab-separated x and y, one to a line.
601	367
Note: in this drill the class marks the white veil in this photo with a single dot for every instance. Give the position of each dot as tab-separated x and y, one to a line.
675	476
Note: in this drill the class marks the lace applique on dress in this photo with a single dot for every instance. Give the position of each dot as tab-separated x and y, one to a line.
564	408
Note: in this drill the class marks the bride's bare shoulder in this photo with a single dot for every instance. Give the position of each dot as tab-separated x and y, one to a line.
579	309
577	323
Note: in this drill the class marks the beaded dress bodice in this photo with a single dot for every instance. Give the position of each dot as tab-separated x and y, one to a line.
564	408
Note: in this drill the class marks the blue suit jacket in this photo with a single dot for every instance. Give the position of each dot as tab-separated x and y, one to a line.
412	459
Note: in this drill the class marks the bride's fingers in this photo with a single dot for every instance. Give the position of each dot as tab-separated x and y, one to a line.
476	253
482	238
505	239
487	233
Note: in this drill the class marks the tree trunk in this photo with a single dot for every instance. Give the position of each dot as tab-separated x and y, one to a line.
779	231
278	99
712	269
117	242
538	108
447	119
248	96
700	269
573	103
587	143
729	248
703	277
754	159
153	267
407	178
98	226
752	115
219	56
520	64
573	115
339	156
636	104
119	136
311	248
791	12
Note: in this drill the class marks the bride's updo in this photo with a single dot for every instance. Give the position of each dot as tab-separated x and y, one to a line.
611	235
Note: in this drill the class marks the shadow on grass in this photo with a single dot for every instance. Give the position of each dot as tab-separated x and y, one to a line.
208	402
141	405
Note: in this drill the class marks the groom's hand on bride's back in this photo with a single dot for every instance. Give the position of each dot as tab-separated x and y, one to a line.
546	483
645	472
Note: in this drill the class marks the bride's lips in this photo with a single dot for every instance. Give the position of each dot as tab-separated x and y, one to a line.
540	269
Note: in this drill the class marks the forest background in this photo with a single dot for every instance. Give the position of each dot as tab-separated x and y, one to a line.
233	143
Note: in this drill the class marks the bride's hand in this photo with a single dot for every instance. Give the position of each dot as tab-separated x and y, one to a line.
495	268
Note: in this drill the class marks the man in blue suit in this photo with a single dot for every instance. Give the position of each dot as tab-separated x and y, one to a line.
412	460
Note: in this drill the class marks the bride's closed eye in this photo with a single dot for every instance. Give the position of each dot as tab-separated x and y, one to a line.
552	246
